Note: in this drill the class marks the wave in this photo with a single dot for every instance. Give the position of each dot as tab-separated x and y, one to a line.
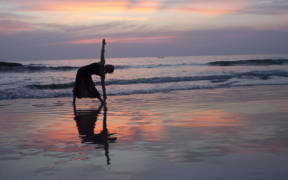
150	66
55	94
262	75
166	90
9	64
255	62
194	87
51	86
17	67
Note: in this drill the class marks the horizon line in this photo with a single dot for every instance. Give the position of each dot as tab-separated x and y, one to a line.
158	57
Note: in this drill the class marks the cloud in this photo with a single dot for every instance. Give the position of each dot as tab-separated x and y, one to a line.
55	45
11	23
14	26
267	7
95	6
153	14
69	28
129	6
144	6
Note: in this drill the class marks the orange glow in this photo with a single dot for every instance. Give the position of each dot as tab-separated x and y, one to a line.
117	6
210	118
126	6
123	40
209	11
97	6
132	125
158	15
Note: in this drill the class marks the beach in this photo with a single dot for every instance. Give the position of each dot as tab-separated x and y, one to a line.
143	90
223	133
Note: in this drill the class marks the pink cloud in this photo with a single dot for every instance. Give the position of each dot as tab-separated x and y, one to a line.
90	6
125	6
14	26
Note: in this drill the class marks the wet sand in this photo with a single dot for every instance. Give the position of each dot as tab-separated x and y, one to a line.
234	133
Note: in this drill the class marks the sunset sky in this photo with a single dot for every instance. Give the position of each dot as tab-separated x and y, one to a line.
53	29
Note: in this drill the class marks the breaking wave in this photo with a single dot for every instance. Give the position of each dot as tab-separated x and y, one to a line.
17	67
55	94
254	62
148	66
262	75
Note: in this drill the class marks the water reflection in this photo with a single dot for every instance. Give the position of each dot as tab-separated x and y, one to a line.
86	122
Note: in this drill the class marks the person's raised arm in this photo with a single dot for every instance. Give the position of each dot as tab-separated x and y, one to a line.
102	61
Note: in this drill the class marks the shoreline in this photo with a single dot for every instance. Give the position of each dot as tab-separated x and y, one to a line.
269	86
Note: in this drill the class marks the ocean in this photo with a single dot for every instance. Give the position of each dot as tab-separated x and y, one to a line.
144	75
193	117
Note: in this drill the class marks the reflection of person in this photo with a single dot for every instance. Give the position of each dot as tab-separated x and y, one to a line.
86	121
84	86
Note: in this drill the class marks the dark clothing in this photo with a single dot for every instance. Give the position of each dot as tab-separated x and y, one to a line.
84	85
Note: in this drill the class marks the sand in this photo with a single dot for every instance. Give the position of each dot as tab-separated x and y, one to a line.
233	133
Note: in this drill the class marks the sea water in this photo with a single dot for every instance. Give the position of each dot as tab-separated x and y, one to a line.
144	75
173	117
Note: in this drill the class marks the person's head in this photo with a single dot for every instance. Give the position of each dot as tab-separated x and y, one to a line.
108	68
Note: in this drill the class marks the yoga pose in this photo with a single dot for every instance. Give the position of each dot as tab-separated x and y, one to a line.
84	86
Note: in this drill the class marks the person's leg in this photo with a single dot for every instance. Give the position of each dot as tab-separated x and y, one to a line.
95	94
74	99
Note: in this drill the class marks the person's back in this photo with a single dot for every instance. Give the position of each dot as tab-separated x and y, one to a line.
88	70
84	85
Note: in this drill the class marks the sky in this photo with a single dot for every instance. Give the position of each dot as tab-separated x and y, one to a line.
31	30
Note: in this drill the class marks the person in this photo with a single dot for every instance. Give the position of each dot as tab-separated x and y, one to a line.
84	86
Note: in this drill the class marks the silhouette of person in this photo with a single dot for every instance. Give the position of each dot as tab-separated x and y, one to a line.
84	86
86	121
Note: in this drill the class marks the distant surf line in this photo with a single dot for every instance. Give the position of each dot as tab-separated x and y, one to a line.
18	67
